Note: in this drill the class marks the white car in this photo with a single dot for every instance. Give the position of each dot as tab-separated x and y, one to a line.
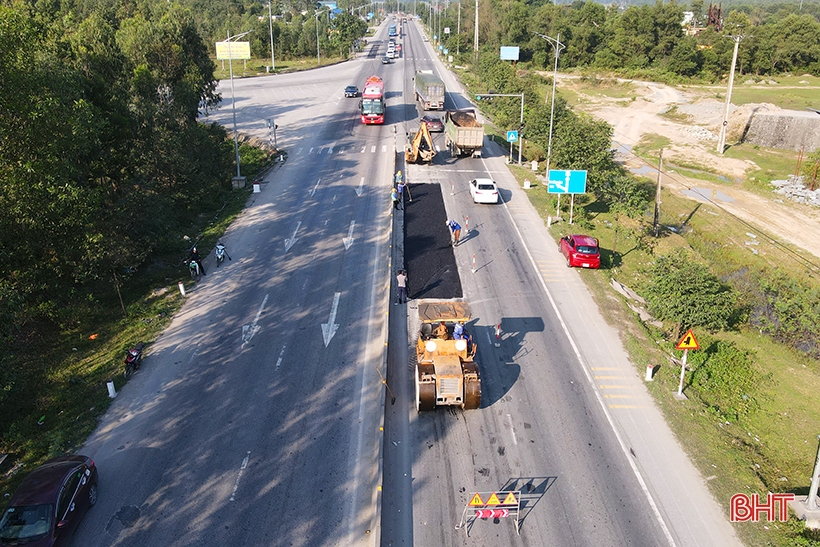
484	191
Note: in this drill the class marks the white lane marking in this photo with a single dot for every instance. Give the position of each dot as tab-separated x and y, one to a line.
239	475
580	360
348	241
249	331
512	430
315	187
330	150
373	149
360	188
329	328
291	240
384	148
311	150
279	361
364	148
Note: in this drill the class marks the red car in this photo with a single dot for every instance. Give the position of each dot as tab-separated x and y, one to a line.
47	507
581	251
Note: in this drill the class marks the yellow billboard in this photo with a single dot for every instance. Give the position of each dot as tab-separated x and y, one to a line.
233	50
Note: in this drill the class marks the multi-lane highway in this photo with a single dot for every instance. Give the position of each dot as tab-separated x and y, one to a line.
256	418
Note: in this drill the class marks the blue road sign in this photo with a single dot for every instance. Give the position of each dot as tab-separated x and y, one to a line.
512	136
567	182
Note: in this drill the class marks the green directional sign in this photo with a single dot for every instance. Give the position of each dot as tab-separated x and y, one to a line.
567	182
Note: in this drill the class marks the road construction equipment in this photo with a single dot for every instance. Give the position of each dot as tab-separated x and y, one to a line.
420	148
446	371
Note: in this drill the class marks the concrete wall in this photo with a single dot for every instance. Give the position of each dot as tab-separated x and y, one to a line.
785	129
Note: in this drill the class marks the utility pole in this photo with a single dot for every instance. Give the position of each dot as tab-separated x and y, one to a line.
722	138
656	222
270	21
475	37
458	30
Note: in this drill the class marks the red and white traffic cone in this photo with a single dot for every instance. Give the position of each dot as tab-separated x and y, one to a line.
498	336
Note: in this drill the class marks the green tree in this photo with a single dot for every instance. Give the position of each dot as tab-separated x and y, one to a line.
687	293
625	197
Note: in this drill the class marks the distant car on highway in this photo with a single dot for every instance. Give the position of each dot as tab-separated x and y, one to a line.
351	91
581	251
50	502
434	123
484	191
385	60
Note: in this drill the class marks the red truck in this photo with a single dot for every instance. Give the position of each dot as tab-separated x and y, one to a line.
372	103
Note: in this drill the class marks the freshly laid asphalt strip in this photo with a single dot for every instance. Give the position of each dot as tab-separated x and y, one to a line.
428	255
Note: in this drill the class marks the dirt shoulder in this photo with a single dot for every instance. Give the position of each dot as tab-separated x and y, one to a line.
693	133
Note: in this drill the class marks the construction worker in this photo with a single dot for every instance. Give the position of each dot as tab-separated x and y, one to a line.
441	331
398	177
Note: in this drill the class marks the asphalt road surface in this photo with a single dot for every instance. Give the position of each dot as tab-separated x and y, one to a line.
255	419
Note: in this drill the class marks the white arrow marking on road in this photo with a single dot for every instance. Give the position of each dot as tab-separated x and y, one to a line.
330	150
249	331
311	150
360	188
384	148
364	148
315	187
373	149
329	328
348	241
290	241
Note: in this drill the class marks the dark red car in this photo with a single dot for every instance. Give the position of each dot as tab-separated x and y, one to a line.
434	123
581	251
49	504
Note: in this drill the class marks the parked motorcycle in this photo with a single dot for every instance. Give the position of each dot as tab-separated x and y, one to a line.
221	253
133	359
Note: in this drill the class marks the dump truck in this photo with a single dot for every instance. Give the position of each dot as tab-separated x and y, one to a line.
446	371
463	134
420	148
429	90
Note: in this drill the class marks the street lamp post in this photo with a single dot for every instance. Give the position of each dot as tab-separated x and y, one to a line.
233	105
556	43
316	15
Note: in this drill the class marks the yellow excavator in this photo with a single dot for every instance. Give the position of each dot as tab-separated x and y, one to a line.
420	148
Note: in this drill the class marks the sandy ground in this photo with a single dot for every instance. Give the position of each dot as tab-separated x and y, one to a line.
694	141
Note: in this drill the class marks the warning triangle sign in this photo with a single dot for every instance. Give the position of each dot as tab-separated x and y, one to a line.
688	341
493	500
476	501
510	499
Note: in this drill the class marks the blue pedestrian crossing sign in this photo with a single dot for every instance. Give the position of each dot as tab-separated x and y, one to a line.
512	136
567	182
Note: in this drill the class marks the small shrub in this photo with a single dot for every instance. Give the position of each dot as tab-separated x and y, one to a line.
728	380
